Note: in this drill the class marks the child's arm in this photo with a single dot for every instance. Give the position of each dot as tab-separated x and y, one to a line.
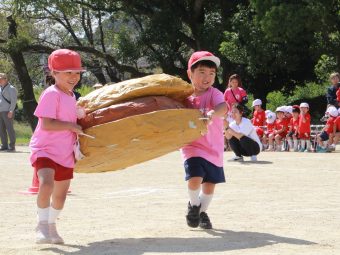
277	132
58	125
220	110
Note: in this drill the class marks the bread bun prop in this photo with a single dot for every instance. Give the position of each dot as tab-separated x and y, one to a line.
151	85
129	108
132	140
143	127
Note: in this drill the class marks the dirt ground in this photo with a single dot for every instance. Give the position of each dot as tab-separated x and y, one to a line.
287	203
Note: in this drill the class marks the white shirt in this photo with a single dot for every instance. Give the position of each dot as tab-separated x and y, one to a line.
246	128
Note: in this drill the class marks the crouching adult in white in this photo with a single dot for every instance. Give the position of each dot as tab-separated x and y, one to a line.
242	136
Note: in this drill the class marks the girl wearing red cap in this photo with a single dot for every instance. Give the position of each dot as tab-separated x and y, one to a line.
53	140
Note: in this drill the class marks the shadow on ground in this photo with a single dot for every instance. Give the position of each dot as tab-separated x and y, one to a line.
220	240
259	162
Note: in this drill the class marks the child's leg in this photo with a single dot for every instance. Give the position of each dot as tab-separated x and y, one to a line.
290	142
308	145
271	142
303	144
206	195
46	183
58	201
278	141
194	189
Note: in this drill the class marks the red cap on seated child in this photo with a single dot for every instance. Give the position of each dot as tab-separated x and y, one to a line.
65	60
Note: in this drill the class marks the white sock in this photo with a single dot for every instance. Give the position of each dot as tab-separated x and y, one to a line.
308	145
290	144
194	197
205	201
302	144
295	144
53	215
43	214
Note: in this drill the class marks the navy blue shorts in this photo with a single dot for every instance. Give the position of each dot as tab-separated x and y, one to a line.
200	167
324	136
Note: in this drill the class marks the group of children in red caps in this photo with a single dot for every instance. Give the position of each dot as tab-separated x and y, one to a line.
289	128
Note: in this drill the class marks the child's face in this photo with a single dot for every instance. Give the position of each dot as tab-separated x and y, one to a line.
66	80
280	115
335	80
257	107
288	115
233	83
202	77
304	110
295	115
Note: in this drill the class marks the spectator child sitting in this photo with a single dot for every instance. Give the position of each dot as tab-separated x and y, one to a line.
292	136
269	126
337	130
280	130
304	128
259	115
327	132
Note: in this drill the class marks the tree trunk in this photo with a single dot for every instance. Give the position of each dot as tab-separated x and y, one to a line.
29	102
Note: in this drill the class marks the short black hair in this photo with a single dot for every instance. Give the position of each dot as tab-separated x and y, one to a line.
295	109
239	107
205	63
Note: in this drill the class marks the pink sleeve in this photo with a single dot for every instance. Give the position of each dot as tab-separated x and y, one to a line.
47	106
217	97
226	95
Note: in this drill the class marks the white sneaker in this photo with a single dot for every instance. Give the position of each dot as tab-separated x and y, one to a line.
253	158
42	233
54	236
237	158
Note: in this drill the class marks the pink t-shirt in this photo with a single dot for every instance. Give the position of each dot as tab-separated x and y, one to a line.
230	99
211	145
56	145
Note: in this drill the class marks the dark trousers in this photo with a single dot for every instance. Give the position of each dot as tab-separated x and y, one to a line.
244	147
6	128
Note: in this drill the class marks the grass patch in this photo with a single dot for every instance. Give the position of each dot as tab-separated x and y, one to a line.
23	132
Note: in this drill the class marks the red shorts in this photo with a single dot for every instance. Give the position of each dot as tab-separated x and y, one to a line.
304	136
259	131
61	173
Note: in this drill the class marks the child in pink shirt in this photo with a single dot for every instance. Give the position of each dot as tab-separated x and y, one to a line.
53	140
203	158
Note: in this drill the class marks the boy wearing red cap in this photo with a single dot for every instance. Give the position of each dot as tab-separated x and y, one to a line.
53	140
304	128
203	158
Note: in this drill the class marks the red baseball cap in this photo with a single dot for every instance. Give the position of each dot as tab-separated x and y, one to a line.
65	60
203	55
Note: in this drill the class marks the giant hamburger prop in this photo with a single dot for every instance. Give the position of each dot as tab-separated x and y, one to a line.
136	120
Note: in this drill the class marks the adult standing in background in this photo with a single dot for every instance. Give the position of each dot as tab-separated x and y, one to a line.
234	94
8	101
331	95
